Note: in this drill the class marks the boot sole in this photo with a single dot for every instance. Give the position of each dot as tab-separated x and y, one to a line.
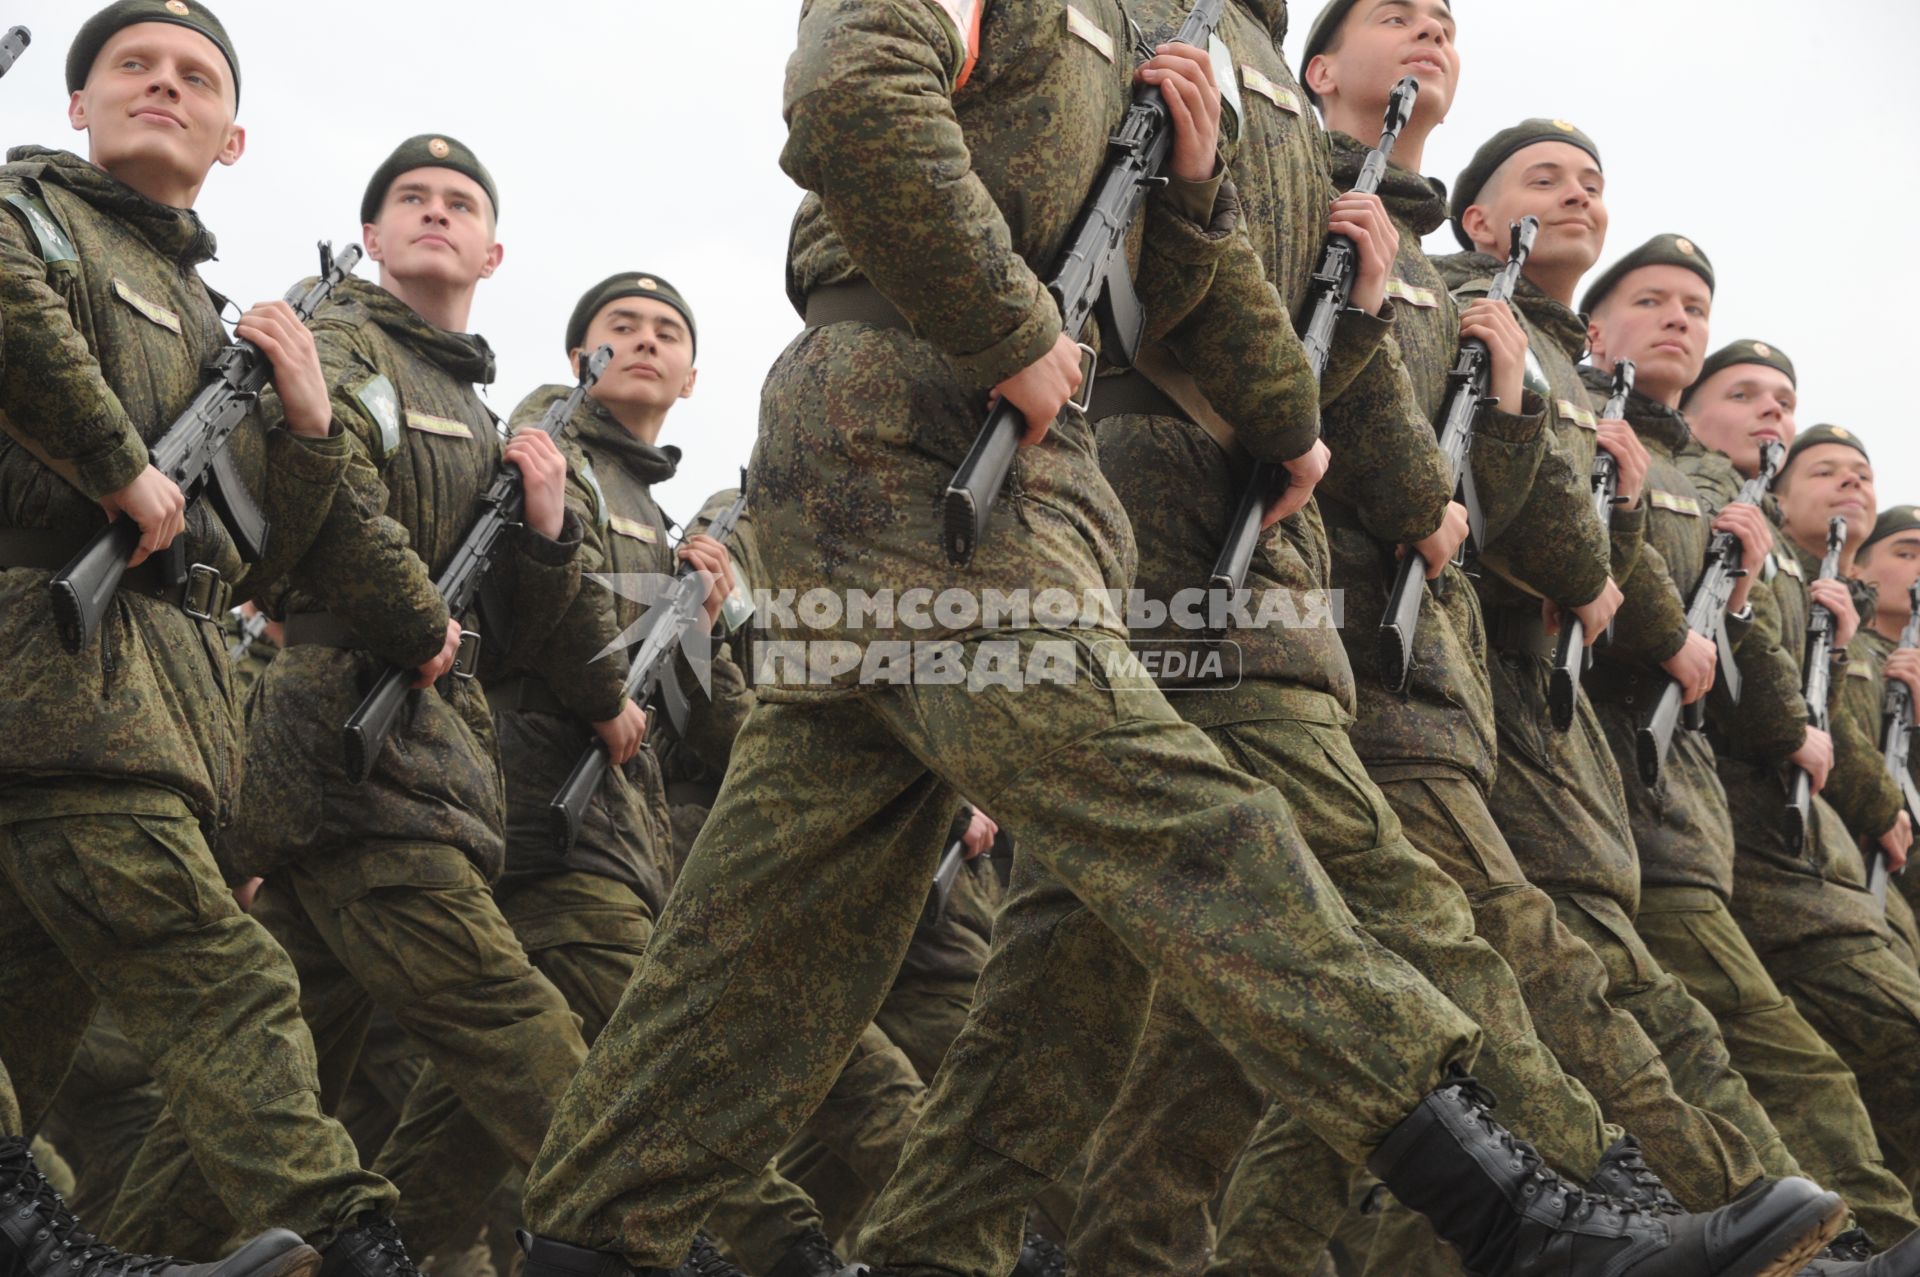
1800	1237
298	1261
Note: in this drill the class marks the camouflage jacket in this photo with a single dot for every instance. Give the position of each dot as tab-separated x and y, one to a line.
1180	486
1681	826
949	203
404	392
107	326
1444	717
627	834
1872	654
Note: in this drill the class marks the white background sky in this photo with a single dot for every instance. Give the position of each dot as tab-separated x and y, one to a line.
637	134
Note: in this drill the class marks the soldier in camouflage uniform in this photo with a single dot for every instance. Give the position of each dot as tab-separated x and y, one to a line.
1888	562
103	1112
109	892
379	889
1129	818
1653	307
1822	936
1429	749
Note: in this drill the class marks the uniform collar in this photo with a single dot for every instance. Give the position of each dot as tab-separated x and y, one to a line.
463	355
175	233
1417	202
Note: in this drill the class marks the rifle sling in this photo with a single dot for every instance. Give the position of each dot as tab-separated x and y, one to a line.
1519	630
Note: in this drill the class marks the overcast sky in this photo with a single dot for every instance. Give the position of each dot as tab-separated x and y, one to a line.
644	135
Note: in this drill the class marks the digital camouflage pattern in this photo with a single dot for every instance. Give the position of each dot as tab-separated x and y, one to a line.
802	893
103	349
403	392
1860	788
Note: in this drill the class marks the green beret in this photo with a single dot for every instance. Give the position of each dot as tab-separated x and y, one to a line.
1661	250
1744	351
1320	35
627	284
427	150
1899	518
104	25
1824	434
1497	150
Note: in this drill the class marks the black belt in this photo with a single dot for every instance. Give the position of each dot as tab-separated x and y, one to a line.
203	594
526	693
319	629
1616	684
855	303
1128	393
1519	629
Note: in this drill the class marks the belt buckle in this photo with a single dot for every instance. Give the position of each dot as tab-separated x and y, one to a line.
467	660
205	595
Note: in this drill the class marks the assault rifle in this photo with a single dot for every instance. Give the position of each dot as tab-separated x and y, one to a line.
1328	293
502	506
649	675
1816	677
12	45
193	453
1706	616
1574	656
1467	393
1091	281
1896	738
1001	853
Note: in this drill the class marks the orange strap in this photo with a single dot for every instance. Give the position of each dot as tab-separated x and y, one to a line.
966	20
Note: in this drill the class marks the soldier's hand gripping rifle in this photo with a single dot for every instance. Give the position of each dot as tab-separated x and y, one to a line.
1573	656
12	45
252	626
502	508
1468	392
1328	294
193	453
1091	281
1707	617
948	871
1896	739
650	676
1816	678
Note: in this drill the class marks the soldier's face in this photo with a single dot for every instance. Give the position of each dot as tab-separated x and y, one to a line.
1739	409
652	353
1383	41
1825	480
1892	566
435	228
158	107
1657	317
1556	182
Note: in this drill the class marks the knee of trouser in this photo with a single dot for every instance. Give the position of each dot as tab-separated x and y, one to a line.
1607	930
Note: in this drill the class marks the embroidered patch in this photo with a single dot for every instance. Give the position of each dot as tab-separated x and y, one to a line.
1413	294
152	310
55	247
643	532
1856	670
1230	107
592	480
1535	377
445	427
1673	501
1574	414
1788	564
1087	29
382	403
1278	94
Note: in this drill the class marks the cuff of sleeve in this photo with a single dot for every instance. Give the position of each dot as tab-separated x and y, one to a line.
1521	427
596	703
554	553
312	461
1666	648
1362	333
1032	338
115	469
1194	201
1191	241
1739	625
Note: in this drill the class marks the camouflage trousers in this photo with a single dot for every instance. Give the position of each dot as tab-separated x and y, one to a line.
109	896
102	1114
1186	1106
412	928
1176	1115
801	896
1807	1088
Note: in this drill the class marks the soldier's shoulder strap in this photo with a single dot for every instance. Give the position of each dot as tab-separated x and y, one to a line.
51	239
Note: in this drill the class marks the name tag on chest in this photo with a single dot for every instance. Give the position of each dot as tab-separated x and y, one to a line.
645	533
445	427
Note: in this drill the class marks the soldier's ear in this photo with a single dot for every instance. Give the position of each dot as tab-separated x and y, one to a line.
1596	341
1319	75
495	255
235	146
1479	228
686	387
77	111
573	361
370	240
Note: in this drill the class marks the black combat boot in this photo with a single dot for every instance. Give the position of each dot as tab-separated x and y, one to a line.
40	1237
1039	1257
1623	1173
1491	1197
1851	1255
370	1247
705	1260
811	1256
547	1258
